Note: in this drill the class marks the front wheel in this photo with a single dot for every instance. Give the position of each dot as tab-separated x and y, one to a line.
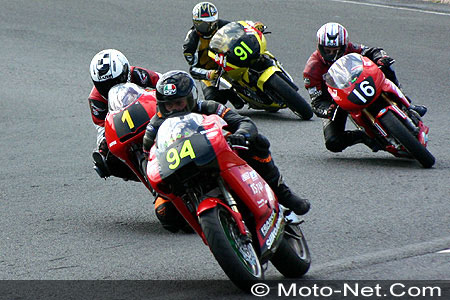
400	133
289	95
292	258
233	251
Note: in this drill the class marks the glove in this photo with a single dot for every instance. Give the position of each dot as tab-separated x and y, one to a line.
103	148
237	139
331	110
260	26
385	61
211	74
147	144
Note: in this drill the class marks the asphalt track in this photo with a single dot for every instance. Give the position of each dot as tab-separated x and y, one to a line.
373	217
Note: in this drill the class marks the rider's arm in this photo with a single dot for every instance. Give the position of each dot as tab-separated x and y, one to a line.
150	133
191	55
314	83
144	77
98	106
373	53
236	122
320	98
190	46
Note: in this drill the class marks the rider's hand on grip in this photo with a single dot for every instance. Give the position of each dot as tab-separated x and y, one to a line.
211	74
237	139
385	61
260	26
331	110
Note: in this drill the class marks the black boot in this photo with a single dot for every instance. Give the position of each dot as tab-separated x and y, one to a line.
420	109
233	98
290	200
358	136
100	165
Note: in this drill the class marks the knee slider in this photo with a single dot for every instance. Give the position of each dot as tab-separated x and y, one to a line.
334	144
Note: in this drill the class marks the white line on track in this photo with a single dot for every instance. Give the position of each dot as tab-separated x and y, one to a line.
394	7
444	251
383	256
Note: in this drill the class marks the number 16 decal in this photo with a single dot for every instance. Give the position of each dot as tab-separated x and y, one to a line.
364	92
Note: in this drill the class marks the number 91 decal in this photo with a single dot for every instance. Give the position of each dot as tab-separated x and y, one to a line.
364	92
242	51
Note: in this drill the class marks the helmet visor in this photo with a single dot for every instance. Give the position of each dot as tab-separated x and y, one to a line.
205	28
332	54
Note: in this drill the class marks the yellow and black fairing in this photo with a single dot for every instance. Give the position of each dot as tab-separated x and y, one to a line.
240	49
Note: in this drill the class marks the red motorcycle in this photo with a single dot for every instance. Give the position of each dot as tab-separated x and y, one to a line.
224	200
130	109
377	106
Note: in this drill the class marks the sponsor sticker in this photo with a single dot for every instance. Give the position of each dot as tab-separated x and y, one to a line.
169	89
245	176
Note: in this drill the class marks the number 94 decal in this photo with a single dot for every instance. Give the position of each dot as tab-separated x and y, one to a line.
174	157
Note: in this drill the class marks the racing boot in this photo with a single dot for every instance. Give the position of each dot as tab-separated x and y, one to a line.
290	200
420	109
359	136
100	165
234	99
169	217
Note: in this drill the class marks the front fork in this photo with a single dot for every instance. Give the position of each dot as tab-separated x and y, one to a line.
413	123
230	205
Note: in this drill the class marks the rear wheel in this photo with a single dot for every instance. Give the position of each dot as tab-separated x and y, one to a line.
233	251
288	95
292	258
398	130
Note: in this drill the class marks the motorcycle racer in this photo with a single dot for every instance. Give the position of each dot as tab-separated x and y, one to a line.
108	68
176	92
333	43
206	22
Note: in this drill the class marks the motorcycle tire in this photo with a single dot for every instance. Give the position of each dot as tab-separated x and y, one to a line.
234	253
276	85
292	258
400	132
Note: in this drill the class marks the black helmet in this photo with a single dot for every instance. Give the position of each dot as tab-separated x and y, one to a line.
173	86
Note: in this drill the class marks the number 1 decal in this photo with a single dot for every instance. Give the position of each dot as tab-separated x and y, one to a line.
127	117
174	158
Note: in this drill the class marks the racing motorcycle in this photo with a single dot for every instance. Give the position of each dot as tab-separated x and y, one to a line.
130	108
252	72
378	107
224	200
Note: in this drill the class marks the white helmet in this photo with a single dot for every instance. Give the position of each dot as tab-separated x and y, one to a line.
108	68
205	18
332	41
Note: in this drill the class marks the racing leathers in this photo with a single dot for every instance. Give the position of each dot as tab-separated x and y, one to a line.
111	165
258	155
334	120
203	68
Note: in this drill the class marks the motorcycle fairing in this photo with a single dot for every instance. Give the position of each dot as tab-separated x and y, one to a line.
196	149
126	127
130	109
251	188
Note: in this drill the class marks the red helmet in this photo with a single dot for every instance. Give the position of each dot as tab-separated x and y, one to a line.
332	41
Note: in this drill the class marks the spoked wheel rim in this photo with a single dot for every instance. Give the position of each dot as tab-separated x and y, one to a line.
244	249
